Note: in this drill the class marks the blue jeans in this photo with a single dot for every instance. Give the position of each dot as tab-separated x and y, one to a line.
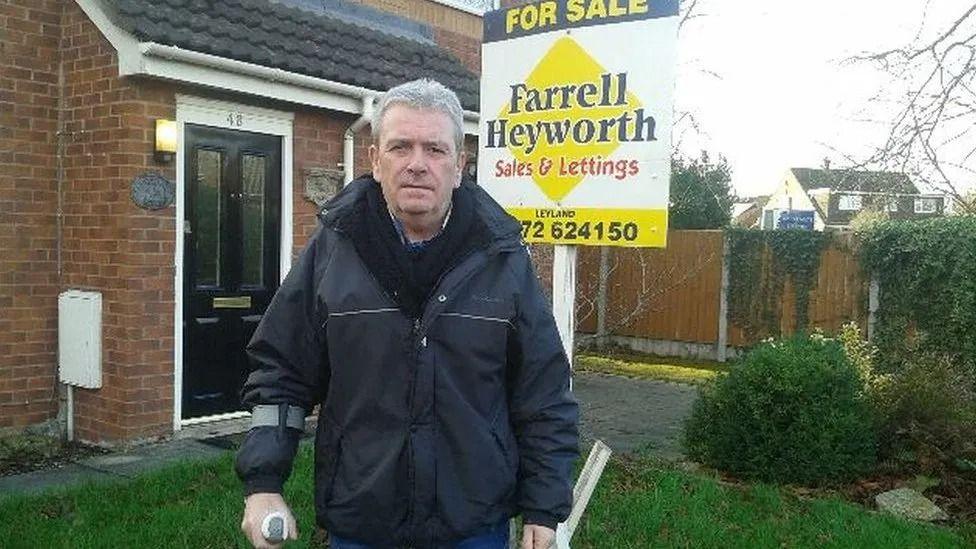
496	538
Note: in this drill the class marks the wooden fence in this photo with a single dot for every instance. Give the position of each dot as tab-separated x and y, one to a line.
673	301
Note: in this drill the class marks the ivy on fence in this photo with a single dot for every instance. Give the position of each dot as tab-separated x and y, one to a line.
759	264
927	274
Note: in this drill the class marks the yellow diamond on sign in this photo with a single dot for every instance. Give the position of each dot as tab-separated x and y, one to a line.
573	93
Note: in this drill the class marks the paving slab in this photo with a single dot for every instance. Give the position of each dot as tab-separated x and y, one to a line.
630	414
154	456
117	466
71	474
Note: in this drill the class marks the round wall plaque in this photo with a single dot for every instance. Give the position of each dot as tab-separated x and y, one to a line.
152	191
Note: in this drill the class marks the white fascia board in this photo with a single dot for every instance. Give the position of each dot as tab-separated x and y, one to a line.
211	71
173	63
872	193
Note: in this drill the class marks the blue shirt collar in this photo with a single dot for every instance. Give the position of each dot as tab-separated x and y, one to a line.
421	244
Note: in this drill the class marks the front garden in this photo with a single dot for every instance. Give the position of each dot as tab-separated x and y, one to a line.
790	445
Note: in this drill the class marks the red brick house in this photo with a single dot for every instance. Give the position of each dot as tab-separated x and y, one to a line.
184	249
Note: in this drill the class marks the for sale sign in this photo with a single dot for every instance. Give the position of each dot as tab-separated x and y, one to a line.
576	113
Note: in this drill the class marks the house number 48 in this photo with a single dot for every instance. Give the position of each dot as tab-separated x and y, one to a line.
235	119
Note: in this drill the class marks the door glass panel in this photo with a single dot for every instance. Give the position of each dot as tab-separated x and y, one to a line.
252	212
207	217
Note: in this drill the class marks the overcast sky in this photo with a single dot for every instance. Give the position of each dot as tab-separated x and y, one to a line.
781	95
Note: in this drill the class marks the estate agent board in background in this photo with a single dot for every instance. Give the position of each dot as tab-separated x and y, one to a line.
576	115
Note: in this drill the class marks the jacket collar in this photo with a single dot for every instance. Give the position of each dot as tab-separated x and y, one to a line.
338	213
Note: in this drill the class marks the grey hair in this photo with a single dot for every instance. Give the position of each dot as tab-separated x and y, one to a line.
422	93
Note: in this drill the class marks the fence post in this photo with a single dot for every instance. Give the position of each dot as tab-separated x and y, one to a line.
874	300
601	296
721	346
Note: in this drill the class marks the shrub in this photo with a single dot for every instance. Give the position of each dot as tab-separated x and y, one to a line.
925	411
928	412
789	411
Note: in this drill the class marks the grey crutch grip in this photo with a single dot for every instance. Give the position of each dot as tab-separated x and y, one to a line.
274	528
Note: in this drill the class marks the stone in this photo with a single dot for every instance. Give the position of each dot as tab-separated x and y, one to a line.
321	184
909	504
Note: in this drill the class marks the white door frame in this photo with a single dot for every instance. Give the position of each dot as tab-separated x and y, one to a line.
230	116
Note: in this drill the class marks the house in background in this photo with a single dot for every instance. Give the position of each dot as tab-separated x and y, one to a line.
747	211
161	164
832	198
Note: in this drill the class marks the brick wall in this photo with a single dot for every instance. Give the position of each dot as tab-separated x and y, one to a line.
108	244
435	14
465	48
28	206
318	141
454	30
113	246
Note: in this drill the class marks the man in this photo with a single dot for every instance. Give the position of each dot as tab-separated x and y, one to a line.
414	319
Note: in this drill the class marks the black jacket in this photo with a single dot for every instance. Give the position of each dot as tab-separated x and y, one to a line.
431	429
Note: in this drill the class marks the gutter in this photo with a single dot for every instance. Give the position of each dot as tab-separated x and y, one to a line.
173	53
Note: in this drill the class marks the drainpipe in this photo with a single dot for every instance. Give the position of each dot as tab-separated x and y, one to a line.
349	139
66	408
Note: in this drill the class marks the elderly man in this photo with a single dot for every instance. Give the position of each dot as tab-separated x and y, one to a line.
413	317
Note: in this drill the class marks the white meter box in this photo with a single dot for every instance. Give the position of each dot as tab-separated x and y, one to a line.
80	338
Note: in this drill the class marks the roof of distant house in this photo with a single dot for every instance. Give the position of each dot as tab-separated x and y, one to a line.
746	210
854	180
359	49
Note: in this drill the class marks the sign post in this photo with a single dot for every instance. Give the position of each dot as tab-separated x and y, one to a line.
575	129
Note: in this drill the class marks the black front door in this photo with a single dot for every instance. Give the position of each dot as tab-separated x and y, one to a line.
231	250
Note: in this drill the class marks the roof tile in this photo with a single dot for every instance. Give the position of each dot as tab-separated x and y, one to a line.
272	34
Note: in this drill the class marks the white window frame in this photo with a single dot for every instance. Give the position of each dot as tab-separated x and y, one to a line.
850	203
922	201
892	205
231	116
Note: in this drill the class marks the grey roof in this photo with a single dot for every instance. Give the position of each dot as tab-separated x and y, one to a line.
313	43
854	180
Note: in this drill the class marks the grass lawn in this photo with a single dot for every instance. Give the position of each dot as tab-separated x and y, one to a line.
638	504
648	367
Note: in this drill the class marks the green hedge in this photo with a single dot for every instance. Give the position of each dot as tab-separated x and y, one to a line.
927	274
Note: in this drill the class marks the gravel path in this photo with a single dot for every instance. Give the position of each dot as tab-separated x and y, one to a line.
628	413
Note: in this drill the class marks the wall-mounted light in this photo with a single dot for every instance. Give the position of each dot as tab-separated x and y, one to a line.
165	140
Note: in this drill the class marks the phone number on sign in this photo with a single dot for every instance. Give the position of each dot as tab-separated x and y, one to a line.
613	231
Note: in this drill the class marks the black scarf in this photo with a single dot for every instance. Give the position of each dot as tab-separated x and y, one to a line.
409	276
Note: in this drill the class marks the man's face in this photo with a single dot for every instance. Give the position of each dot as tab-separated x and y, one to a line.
415	162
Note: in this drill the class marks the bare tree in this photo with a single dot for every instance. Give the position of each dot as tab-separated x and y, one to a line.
933	132
688	10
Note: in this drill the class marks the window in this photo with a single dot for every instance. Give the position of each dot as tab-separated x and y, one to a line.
892	204
926	205
850	202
